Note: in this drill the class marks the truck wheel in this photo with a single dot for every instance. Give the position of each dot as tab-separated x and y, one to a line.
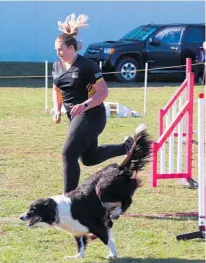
127	70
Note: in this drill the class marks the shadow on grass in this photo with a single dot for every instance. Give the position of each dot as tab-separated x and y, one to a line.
154	260
25	83
24	74
39	82
31	75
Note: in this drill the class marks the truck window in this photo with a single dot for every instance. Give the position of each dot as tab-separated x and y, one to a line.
170	35
140	33
194	35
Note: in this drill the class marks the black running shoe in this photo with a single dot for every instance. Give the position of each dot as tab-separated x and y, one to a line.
128	142
139	129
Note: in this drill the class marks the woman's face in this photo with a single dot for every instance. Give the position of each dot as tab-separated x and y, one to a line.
63	52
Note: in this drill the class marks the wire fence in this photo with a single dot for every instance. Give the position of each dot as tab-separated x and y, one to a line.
104	73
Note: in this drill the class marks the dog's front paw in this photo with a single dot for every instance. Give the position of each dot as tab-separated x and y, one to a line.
79	255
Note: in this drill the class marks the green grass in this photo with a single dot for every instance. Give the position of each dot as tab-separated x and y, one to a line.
31	168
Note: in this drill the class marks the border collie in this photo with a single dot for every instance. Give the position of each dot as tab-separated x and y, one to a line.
102	197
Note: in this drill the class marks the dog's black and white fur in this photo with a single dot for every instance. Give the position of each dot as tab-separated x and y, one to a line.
102	197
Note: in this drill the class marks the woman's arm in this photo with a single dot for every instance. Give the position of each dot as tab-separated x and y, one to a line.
57	102
101	93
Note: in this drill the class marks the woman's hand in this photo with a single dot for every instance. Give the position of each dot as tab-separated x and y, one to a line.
77	110
57	117
57	100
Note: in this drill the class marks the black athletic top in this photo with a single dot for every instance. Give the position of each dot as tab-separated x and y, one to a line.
76	82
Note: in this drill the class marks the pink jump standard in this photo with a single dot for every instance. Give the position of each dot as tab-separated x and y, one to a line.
175	121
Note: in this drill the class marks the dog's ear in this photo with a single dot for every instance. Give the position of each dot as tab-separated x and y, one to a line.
50	215
50	204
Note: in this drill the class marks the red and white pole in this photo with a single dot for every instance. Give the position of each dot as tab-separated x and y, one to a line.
201	175
201	160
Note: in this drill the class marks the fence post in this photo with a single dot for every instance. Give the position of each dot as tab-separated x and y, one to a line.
46	86
145	88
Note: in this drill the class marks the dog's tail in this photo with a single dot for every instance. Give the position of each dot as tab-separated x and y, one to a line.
139	154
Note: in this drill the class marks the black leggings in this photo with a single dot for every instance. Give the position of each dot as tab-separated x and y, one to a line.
82	142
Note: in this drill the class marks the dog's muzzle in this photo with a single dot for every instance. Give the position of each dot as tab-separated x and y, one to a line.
24	217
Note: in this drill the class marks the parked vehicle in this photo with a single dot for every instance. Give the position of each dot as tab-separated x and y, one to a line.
165	45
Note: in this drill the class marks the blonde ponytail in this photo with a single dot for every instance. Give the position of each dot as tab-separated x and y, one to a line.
71	24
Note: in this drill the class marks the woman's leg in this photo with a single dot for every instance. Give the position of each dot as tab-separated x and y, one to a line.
82	132
95	154
82	141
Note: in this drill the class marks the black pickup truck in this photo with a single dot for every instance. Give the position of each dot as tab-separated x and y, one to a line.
165	45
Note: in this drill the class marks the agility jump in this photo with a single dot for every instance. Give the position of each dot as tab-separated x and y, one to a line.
176	121
175	125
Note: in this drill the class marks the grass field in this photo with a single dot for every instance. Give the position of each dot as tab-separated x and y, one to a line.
31	168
